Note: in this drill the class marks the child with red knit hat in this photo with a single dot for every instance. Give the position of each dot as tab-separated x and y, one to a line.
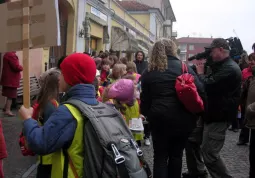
60	130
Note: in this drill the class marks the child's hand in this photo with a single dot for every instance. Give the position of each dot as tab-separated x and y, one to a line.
142	117
25	113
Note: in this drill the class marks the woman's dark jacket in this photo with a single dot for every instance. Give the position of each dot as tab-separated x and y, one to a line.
141	66
159	99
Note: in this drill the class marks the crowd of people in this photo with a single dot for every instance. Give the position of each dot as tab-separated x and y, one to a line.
142	89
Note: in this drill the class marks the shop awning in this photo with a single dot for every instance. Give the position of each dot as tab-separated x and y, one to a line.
123	41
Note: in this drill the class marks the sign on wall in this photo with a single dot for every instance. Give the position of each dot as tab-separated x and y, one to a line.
98	14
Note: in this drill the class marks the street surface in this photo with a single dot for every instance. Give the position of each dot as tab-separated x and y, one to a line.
17	166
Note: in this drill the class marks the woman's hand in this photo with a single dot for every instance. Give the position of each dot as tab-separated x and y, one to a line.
25	113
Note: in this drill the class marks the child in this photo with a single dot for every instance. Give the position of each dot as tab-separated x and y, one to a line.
118	71
45	106
105	71
131	69
122	93
133	78
114	60
137	96
124	60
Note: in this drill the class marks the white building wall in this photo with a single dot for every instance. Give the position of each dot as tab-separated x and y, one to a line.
153	25
80	42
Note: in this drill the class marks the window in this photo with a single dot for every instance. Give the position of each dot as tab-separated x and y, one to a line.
191	47
183	57
183	47
190	55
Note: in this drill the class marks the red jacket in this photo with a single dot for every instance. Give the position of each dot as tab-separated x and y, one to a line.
11	70
246	73
3	151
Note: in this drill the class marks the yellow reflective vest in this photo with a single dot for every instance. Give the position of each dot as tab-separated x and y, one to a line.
74	153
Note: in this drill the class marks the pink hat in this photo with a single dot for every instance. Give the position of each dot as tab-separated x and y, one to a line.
122	90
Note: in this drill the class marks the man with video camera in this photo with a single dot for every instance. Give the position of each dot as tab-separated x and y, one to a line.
223	87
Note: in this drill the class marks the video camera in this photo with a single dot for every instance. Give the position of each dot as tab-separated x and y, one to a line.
236	50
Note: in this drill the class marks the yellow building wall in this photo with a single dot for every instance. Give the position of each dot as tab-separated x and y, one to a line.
116	24
143	19
118	10
97	31
46	56
88	8
130	20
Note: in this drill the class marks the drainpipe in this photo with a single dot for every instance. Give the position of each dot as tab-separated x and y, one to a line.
109	24
80	41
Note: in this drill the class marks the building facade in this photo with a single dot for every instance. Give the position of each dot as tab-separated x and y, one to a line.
189	46
108	25
167	11
151	18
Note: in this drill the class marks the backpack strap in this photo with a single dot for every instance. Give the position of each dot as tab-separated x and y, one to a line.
184	68
93	113
84	108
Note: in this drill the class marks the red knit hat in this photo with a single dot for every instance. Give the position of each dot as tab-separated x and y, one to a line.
78	68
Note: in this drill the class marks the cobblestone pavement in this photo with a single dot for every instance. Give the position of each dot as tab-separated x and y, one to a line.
16	165
236	157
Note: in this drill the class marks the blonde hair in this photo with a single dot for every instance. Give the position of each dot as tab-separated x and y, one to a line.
160	51
105	93
118	71
131	67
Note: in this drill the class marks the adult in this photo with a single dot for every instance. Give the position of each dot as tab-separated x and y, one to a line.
63	130
171	123
253	47
244	61
223	88
250	113
246	75
250	105
94	54
140	62
114	60
10	80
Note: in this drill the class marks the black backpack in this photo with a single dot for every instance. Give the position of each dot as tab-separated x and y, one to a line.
110	149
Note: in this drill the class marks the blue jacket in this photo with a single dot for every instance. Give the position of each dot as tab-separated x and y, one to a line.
58	131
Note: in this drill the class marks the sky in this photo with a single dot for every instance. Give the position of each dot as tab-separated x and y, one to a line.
217	18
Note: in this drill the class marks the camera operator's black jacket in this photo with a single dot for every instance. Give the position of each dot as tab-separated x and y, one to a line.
223	89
